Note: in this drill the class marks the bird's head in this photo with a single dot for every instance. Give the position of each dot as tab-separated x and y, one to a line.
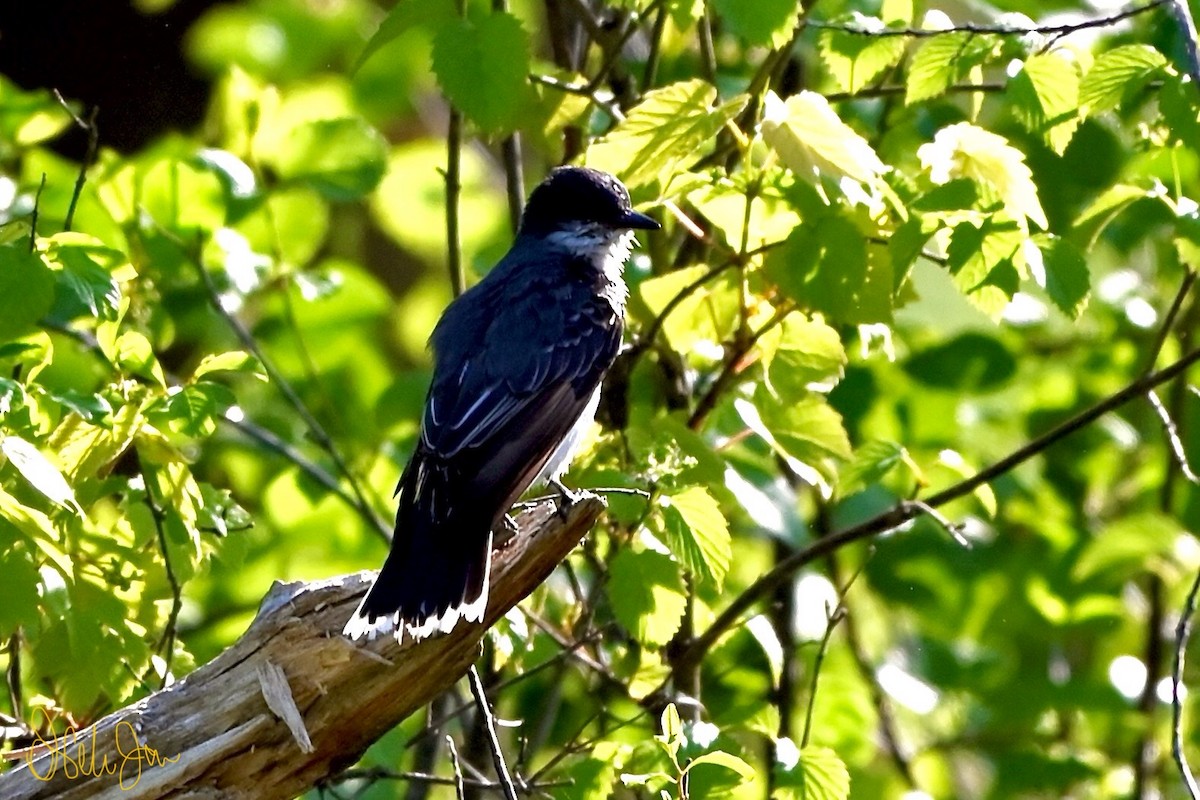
582	202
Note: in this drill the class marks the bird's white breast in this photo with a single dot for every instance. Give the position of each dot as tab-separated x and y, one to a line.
561	459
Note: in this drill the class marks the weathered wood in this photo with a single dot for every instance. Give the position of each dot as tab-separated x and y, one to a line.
292	701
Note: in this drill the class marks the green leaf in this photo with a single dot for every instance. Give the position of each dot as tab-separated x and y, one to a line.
964	150
483	67
940	62
27	118
729	761
806	430
971	362
26	290
39	471
405	16
984	262
1045	95
759	22
1127	546
593	777
871	463
708	314
84	449
1118	74
1180	110
1092	221
38	529
21	581
799	352
1068	280
232	361
672	729
194	409
824	266
855	60
817	775
343	159
670	129
133	351
697	533
90	407
88	276
181	196
811	139
647	595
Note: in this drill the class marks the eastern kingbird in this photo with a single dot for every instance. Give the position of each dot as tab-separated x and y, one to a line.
518	361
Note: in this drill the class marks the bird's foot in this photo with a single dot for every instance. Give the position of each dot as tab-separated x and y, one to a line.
505	533
566	498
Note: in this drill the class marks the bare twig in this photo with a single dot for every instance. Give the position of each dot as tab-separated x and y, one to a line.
1174	442
166	643
13	674
89	127
1183	633
607	106
453	188
485	711
993	30
832	618
33	215
459	788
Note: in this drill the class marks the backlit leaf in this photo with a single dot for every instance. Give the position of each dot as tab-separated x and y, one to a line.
763	22
482	65
39	471
1117	74
669	130
343	159
647	596
696	532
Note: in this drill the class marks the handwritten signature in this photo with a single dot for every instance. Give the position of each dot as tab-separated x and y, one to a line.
74	753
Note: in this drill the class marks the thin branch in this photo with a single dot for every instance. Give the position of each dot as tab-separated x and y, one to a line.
89	127
485	711
460	790
13	674
832	618
993	30
33	215
614	49
607	106
318	432
453	188
1183	633
650	73
733	365
708	53
891	90
1174	442
906	510
166	643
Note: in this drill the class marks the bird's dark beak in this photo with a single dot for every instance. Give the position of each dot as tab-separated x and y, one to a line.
638	221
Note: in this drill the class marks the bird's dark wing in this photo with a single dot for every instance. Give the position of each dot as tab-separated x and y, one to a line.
511	381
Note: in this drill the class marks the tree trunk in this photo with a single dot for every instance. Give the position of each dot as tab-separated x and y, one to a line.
292	701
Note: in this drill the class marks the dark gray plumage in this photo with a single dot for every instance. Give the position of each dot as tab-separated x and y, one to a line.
518	361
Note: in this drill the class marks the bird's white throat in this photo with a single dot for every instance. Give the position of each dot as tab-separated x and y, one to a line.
605	249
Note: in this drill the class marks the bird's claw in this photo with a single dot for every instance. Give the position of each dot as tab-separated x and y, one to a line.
566	498
506	532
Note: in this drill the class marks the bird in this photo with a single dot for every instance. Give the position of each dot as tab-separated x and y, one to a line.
518	360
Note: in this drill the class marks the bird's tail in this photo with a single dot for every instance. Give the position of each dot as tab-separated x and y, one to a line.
437	571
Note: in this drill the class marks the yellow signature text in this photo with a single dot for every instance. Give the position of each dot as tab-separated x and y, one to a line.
74	754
